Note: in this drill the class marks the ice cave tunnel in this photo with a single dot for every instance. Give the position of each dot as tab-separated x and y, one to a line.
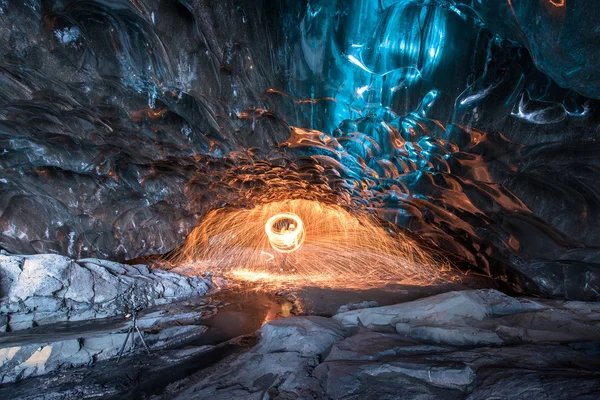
299	199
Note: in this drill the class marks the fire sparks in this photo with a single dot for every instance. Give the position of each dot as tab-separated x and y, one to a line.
304	242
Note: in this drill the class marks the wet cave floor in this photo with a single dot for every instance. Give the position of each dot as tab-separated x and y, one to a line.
233	315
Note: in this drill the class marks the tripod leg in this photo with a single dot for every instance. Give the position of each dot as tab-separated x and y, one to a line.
133	337
143	341
124	343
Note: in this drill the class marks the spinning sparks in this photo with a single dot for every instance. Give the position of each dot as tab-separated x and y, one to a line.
285	232
303	242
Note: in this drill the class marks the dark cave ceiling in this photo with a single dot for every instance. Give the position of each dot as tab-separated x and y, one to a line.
471	125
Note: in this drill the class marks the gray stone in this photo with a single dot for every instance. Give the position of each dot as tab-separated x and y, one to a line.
3	323
366	345
357	306
307	336
170	289
42	275
158	319
115	267
142	269
482	318
18	322
133	271
106	287
171	336
51	353
81	284
500	383
472	344
53	288
288	351
447	308
83	315
452	335
50	317
10	269
43	303
548	349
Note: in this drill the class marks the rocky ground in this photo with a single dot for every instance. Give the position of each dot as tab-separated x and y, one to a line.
81	310
478	344
243	344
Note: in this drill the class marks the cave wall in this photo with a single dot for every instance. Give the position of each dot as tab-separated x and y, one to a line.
473	125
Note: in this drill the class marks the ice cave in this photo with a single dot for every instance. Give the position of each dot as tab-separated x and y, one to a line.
299	199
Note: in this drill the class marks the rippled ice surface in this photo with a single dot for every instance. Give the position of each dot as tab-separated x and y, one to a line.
472	125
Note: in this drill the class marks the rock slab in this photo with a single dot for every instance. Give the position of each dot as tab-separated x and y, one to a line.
46	288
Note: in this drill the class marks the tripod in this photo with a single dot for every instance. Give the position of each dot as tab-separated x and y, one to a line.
133	306
130	333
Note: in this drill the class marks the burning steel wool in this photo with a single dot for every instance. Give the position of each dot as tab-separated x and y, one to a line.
285	232
304	241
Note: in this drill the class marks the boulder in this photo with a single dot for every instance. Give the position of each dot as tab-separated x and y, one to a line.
481	318
46	288
282	362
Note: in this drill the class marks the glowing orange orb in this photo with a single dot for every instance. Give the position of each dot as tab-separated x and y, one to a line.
285	232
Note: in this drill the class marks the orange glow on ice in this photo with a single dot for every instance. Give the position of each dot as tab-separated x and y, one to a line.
301	242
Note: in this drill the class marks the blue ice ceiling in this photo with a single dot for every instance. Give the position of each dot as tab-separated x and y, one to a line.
386	57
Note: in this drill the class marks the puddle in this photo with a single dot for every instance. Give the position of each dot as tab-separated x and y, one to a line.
246	313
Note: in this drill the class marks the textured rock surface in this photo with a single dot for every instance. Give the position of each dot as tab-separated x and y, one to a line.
471	344
44	350
176	333
482	318
357	306
43	289
555	357
390	366
288	351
